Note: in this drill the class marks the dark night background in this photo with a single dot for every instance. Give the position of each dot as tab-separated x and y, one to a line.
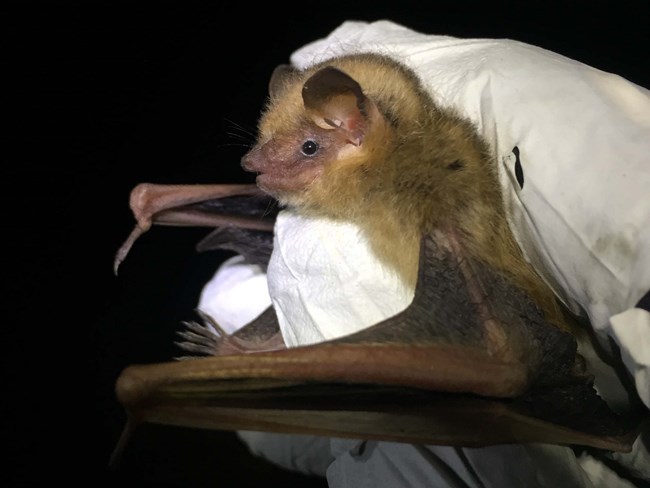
98	99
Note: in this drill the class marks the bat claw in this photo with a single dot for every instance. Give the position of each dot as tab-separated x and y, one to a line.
204	330
199	339
183	358
205	339
209	322
124	249
195	338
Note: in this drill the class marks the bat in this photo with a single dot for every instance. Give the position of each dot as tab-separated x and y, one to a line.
484	353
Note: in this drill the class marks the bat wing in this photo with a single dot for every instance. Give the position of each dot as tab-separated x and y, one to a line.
243	215
480	366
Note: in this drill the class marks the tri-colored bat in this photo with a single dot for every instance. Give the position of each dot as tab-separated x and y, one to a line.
484	354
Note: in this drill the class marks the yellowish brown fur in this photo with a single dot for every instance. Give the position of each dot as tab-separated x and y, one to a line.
398	184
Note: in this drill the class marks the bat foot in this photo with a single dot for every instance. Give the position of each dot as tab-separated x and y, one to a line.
207	338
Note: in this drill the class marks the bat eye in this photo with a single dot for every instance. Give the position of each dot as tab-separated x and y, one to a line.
309	148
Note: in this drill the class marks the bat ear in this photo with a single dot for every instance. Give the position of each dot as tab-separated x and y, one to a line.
334	100
279	79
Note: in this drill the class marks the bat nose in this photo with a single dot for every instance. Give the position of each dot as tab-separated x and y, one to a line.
245	164
255	161
248	162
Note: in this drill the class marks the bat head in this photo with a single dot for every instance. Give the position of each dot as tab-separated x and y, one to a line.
357	136
317	124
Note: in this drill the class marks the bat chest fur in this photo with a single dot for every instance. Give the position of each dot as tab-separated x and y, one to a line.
397	246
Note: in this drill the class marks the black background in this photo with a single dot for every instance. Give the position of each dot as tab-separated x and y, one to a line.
98	99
